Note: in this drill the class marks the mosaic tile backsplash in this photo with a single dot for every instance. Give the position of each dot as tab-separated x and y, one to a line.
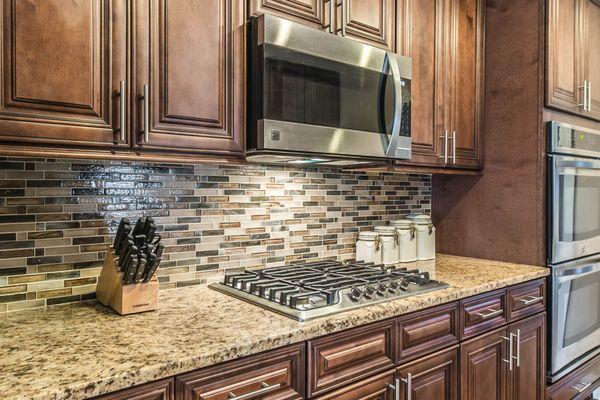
57	218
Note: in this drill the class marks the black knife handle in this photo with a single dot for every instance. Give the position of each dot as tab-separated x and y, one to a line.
153	266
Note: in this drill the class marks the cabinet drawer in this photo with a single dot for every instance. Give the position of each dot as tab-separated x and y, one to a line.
345	357
378	387
579	384
483	313
526	299
159	390
277	374
426	331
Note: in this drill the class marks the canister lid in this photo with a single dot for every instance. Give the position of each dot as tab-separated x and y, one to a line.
385	230
420	219
401	223
367	236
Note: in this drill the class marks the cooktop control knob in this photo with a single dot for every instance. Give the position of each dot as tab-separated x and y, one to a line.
355	294
370	291
382	288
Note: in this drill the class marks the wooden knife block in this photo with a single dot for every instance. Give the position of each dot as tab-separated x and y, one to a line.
124	299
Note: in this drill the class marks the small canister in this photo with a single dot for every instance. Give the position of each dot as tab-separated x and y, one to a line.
368	247
407	237
389	244
425	236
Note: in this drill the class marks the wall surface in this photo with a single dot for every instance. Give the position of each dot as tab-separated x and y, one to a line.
57	218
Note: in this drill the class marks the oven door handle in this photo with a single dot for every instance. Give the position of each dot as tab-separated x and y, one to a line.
392	61
579	164
579	270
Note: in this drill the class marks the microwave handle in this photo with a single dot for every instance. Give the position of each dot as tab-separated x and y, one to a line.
397	124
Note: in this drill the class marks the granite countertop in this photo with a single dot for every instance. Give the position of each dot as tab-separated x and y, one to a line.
82	350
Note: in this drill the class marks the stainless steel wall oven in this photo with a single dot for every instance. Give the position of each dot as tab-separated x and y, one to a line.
573	246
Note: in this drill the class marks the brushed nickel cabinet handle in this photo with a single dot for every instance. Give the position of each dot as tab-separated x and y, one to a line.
122	110
408	382
453	147
331	12
396	388
589	96
530	300
146	115
518	339
264	389
582	388
490	313
342	27
584	87
510	351
445	137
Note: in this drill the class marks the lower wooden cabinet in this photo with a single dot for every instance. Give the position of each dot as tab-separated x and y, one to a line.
378	387
508	363
431	378
579	384
159	390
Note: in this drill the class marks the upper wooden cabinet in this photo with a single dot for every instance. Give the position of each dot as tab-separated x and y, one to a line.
445	39
369	21
573	56
189	75
62	64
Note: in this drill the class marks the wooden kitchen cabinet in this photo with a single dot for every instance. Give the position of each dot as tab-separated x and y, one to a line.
62	67
431	378
573	56
370	21
378	387
445	39
159	390
189	85
308	12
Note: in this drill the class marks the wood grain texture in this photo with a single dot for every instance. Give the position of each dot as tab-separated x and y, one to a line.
528	380
159	390
61	67
564	389
308	12
371	21
433	377
340	359
196	103
374	388
501	214
522	300
284	367
473	311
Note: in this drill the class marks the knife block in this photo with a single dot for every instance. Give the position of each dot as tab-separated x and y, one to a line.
125	299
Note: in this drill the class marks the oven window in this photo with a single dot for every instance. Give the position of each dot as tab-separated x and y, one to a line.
582	300
305	89
579	207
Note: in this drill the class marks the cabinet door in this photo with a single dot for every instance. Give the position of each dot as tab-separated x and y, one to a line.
431	378
483	371
160	390
564	65
191	55
378	387
592	54
422	31
370	21
308	12
528	379
466	82
62	63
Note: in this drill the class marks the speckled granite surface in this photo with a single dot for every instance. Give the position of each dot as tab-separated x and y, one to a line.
75	352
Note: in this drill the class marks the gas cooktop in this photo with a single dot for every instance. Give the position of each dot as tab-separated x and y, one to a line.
311	290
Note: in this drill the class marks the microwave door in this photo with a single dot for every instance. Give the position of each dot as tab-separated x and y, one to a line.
575	318
574	208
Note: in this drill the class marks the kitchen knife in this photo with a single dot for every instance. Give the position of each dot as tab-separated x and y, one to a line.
121	237
159	250
120	230
153	263
140	241
141	268
123	249
131	251
125	269
150	232
139	226
129	276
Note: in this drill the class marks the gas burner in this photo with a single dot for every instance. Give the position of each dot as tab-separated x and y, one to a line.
310	290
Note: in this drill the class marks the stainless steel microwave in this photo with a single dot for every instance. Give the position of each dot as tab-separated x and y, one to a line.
317	97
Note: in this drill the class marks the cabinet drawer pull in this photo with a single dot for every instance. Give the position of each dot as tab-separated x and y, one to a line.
342	28
585	96
581	389
408	382
146	115
453	147
264	389
589	96
445	137
122	109
530	300
489	314
396	388
510	359
331	12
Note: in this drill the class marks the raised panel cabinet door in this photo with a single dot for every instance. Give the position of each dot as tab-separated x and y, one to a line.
159	390
466	82
189	76
421	36
377	387
431	378
564	78
528	379
370	21
307	12
483	373
592	55
62	64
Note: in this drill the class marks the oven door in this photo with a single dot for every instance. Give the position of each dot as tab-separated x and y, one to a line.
323	94
574	208
575	315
